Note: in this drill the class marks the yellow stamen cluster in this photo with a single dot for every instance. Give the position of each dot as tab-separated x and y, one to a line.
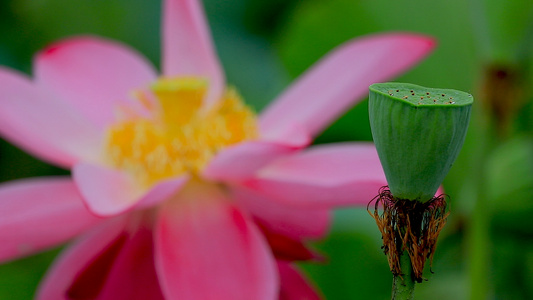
182	135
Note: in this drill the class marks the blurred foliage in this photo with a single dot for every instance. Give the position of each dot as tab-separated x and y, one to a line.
485	48
19	279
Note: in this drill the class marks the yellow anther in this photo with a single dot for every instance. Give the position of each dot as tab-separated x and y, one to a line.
180	136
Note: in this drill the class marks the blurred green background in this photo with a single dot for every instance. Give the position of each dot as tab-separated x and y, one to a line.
485	48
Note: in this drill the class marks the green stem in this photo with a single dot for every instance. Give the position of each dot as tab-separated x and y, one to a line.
479	237
479	251
403	287
478	233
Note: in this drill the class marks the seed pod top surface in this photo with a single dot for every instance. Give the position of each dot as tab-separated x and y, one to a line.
418	133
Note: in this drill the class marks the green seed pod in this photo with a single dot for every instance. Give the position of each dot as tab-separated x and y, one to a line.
418	133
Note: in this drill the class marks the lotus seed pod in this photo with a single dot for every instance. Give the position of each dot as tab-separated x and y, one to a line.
418	134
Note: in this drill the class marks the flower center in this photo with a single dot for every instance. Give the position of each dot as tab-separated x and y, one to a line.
179	134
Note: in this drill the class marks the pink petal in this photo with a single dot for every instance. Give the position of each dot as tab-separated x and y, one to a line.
293	285
89	281
323	176
109	192
32	119
294	222
130	271
286	248
293	134
112	262
75	259
39	213
187	46
337	81
93	75
207	249
243	160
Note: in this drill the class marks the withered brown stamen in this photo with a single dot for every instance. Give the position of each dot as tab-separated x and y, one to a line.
408	225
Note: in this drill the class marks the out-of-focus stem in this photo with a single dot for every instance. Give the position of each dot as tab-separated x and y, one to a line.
478	234
479	251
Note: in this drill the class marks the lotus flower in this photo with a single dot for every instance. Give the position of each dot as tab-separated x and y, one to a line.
178	189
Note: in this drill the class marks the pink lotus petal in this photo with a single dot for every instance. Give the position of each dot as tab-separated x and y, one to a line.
187	46
40	213
294	222
93	75
293	134
79	256
32	119
323	176
89	282
133	276
109	192
162	191
341	78
293	285
243	160
207	249
286	248
125	271
440	191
